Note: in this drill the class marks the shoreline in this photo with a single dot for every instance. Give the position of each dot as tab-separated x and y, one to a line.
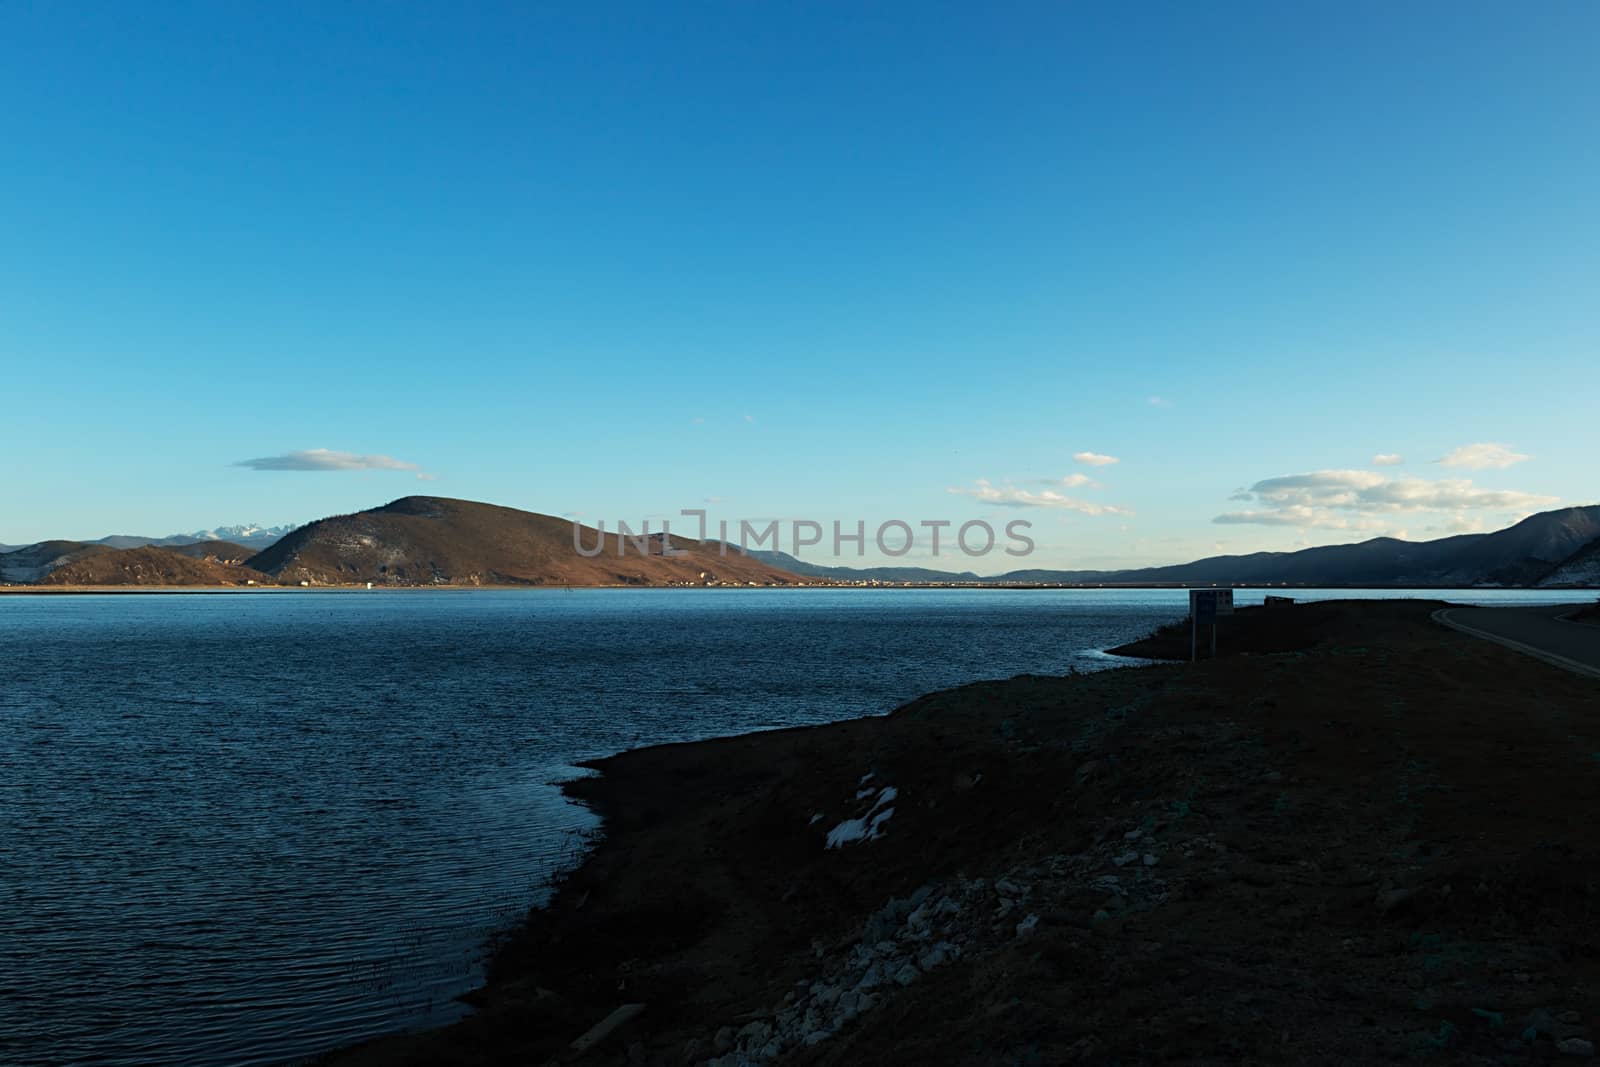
1249	843
24	589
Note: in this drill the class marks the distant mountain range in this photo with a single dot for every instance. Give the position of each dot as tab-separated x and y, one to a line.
1551	548
249	535
439	541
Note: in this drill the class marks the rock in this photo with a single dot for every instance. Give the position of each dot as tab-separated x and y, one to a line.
850	1002
636	1053
756	1034
1126	858
772	1049
605	1027
907	974
1151	859
694	1050
1008	888
1133	835
724	1041
934	957
1026	927
1575	1046
1571	1018
879	927
873	978
1088	771
826	995
817	1037
921	896
1102	915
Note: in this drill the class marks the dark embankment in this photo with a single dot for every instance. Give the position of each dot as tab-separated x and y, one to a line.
1254	630
1372	848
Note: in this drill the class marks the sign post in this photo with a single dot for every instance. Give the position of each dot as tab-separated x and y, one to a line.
1204	607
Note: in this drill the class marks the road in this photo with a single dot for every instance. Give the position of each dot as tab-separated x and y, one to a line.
1536	631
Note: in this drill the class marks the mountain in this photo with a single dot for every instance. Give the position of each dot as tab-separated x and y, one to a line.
1519	555
34	562
421	540
1524	554
433	540
1581	568
147	566
251	536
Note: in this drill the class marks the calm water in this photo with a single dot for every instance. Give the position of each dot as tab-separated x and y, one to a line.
243	829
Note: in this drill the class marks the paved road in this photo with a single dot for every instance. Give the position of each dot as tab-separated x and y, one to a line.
1539	631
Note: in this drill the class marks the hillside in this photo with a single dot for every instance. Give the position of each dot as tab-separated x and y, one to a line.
217	551
34	562
422	540
148	566
1580	568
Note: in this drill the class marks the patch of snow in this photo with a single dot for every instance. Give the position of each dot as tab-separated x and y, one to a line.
815	819
869	826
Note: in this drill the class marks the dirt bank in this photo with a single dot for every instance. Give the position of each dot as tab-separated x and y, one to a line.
1374	845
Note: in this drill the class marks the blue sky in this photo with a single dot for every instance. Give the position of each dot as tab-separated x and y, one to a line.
837	262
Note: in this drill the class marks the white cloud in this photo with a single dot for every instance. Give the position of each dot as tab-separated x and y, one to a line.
749	418
1483	456
1095	459
1158	401
323	459
1010	496
1359	500
1459	524
1388	459
1071	481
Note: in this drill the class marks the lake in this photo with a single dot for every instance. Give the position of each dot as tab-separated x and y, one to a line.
246	828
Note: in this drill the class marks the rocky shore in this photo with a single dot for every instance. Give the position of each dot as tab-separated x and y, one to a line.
1354	837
